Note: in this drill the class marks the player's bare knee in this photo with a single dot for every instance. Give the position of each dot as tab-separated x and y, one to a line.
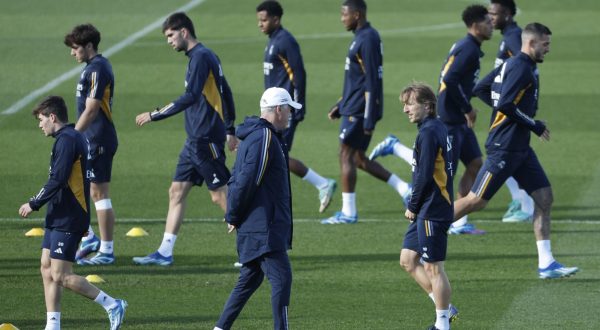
45	271
408	262
175	194
57	276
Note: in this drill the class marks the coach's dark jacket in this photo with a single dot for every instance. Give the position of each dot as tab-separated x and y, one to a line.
259	199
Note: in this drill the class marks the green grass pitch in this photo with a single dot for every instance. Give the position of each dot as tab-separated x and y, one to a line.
345	277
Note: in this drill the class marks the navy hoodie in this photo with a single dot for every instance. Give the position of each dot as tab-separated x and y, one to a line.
259	201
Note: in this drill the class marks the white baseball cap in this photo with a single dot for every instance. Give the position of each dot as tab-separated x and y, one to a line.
278	96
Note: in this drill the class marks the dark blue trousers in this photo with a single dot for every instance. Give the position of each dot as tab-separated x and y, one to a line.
276	266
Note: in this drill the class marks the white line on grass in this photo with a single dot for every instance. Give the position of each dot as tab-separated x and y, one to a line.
111	51
300	220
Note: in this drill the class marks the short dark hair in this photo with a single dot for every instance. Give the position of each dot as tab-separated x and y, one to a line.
508	4
52	105
178	21
272	7
82	34
537	29
423	93
474	14
356	5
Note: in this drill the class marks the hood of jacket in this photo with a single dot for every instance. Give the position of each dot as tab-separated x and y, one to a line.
251	124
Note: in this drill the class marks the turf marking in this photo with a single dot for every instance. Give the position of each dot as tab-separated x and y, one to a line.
40	221
110	51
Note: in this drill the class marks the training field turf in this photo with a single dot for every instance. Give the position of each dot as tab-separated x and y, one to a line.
345	277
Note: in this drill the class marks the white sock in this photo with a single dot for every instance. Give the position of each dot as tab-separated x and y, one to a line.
441	319
460	222
106	247
403	152
90	234
105	301
167	245
545	257
526	203
52	321
432	297
315	179
513	187
400	186
349	204
217	328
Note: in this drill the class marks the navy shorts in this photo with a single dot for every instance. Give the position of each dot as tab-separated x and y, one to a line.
62	245
203	162
464	144
288	134
353	134
524	166
100	164
428	238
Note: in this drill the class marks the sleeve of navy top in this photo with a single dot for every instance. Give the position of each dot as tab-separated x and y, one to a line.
423	177
63	155
193	91
248	174
452	80
228	108
294	57
371	54
98	83
514	84
483	88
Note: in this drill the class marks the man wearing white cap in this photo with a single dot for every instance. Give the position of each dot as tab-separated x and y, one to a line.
259	208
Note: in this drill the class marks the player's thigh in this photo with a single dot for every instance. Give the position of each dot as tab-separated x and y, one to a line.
213	170
497	167
531	175
456	138
352	133
186	169
470	149
61	245
100	165
433	239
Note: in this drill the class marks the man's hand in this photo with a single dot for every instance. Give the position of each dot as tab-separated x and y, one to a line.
143	118
546	135
409	215
230	228
25	210
471	117
334	113
232	142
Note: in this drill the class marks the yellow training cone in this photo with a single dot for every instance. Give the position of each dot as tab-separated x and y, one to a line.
31	233
94	279
8	326
137	232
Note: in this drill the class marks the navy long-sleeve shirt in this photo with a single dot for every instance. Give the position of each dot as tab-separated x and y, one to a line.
457	78
512	90
283	67
208	101
67	191
510	45
364	74
259	201
98	82
432	193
